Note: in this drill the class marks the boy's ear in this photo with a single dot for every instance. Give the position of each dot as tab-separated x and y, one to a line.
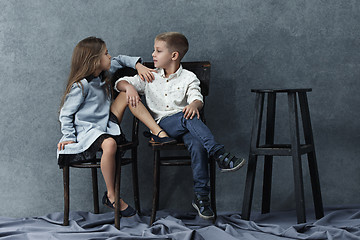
174	56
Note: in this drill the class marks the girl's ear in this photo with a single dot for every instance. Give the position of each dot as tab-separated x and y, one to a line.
174	56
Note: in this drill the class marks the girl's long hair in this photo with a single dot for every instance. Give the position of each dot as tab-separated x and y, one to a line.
85	60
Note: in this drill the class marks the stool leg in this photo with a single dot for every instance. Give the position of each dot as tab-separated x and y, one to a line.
295	149
95	189
135	179
313	169
213	186
254	143
117	191
268	163
66	181
249	187
156	186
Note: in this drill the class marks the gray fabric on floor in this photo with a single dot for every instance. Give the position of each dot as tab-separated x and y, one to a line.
338	223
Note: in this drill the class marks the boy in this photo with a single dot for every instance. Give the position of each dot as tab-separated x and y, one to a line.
174	100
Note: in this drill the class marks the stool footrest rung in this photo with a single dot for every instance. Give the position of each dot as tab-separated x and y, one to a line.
280	149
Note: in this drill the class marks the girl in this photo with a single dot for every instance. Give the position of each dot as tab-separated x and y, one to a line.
87	123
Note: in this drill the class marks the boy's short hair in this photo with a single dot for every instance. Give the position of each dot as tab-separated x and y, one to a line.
175	41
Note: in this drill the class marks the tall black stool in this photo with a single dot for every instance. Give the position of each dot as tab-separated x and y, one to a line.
294	149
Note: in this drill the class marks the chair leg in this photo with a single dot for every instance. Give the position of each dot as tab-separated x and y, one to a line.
156	186
213	186
313	169
135	180
117	192
66	181
95	190
295	149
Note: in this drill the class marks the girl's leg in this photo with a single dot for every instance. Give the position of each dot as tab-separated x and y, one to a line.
118	108
108	166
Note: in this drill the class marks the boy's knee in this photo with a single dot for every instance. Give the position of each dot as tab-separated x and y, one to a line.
195	145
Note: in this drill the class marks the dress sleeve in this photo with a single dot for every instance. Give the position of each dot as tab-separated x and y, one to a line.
73	101
123	61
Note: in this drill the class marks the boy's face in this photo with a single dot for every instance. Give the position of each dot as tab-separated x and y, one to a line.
162	57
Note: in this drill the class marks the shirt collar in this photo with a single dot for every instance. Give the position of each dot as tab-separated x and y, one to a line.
98	79
176	74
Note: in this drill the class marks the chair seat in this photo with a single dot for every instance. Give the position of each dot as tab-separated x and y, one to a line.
96	162
127	146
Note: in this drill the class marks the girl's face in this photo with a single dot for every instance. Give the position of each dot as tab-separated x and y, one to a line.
105	62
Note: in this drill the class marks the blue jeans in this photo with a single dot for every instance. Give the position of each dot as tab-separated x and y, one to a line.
200	143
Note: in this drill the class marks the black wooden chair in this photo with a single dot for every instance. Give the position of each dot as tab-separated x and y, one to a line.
120	161
202	71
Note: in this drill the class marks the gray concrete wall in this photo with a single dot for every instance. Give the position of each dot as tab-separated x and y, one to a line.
250	43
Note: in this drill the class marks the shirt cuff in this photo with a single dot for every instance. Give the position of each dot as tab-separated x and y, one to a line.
195	98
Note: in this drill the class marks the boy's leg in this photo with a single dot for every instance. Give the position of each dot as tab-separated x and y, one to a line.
202	133
199	163
176	125
199	130
200	170
173	125
118	108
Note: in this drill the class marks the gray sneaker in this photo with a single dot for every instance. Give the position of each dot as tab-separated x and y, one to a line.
202	205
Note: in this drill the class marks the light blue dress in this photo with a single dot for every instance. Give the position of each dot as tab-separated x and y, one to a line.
86	110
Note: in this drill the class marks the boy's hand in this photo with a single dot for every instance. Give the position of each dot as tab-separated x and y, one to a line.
132	96
145	73
61	145
190	111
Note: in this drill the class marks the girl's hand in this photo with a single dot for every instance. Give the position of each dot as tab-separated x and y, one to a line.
61	145
145	73
132	96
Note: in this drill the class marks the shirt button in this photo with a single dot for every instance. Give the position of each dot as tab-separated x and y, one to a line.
167	106
165	94
167	80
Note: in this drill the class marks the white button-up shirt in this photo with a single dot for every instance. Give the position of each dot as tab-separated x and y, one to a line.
167	96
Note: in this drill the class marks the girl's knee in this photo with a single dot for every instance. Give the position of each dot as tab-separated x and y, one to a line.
109	145
120	102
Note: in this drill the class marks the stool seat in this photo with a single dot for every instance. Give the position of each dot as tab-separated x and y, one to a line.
279	90
294	149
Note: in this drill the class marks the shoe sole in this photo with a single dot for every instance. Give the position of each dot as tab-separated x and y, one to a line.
202	216
235	168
